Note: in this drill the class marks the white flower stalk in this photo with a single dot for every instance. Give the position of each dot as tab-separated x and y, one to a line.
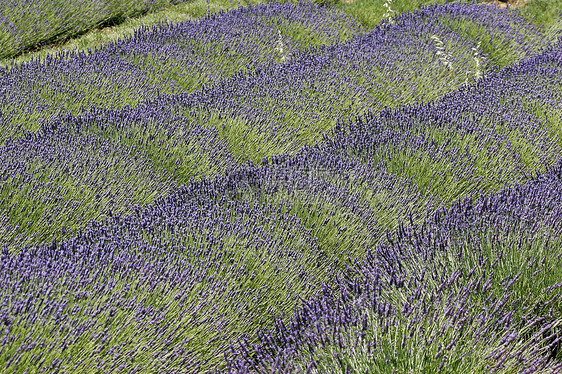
477	59
281	47
478	73
444	57
389	11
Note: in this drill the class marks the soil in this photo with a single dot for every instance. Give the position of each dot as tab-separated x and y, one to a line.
498	3
503	4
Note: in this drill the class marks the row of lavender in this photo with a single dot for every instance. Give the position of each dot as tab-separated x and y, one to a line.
476	288
165	59
276	109
169	287
28	23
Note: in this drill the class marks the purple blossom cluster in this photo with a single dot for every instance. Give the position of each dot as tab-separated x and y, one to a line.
175	58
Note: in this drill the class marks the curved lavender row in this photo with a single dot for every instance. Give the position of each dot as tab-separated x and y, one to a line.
186	150
475	289
166	59
169	285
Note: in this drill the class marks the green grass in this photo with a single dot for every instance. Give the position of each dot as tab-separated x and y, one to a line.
34	23
183	153
542	12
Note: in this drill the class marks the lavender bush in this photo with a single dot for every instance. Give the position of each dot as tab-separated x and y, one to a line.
53	181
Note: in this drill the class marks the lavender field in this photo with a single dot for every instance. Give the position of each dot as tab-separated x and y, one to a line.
278	188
